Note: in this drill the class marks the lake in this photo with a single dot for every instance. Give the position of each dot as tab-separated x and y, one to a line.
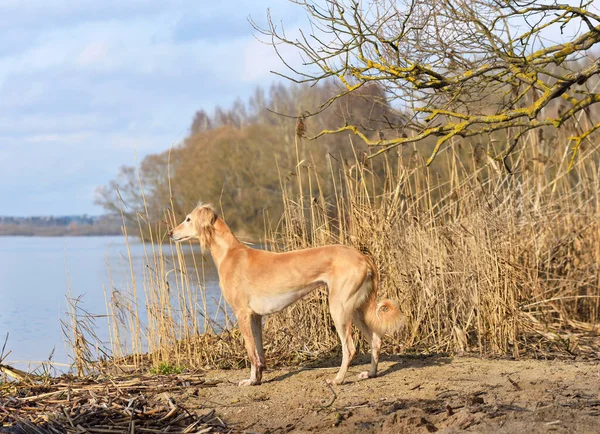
34	276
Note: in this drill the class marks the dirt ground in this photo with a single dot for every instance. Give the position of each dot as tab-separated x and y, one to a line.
411	395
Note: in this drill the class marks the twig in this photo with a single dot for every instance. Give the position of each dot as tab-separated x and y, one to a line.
514	384
332	399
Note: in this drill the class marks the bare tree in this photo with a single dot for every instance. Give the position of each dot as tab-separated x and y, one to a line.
460	67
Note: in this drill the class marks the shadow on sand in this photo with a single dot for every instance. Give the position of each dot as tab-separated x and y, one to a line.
399	362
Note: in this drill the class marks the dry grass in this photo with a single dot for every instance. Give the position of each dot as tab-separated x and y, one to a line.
481	260
106	405
164	319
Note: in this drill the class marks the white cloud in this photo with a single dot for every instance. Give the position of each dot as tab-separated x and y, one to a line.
53	13
138	46
94	53
141	143
60	139
84	83
260	59
47	123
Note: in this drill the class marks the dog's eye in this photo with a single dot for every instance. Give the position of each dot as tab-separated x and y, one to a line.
188	219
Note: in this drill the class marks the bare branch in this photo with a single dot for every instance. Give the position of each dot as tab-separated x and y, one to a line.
464	67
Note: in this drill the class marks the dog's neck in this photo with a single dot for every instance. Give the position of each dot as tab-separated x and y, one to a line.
222	242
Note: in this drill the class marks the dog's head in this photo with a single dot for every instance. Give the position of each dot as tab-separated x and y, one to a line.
200	223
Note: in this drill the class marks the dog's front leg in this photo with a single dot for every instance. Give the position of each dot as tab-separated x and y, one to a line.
258	340
250	326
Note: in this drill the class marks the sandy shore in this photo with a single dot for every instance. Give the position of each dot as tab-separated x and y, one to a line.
413	395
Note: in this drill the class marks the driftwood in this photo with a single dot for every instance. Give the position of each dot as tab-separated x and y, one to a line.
132	404
15	373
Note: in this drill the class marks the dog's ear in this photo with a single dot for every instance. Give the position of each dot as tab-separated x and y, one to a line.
206	215
205	218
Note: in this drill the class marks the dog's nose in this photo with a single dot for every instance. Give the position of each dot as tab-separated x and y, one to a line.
170	234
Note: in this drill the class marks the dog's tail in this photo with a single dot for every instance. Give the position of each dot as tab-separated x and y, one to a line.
382	317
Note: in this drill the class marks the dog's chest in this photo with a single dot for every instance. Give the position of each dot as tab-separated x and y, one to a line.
265	305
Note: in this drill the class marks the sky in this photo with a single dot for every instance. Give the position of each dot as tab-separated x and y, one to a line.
87	86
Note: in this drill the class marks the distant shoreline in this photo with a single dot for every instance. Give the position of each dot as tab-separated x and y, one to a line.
58	235
61	226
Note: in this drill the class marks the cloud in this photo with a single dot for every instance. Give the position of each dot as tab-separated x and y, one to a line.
261	59
31	125
84	84
93	54
208	28
44	14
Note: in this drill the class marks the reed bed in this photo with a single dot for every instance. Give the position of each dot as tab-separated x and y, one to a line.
481	260
163	318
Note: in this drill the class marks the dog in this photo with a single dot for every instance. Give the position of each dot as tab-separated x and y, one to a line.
258	282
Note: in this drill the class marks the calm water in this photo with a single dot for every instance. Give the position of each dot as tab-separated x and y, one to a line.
34	281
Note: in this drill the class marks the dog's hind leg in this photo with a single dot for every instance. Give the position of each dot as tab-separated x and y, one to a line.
250	326
374	341
343	325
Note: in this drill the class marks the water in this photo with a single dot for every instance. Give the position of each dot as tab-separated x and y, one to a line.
34	276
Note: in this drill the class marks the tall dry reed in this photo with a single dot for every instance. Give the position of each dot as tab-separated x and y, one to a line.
480	259
161	317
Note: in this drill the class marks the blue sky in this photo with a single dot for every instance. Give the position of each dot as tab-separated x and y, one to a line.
85	85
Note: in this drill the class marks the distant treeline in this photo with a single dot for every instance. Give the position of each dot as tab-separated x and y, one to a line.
78	225
245	159
240	158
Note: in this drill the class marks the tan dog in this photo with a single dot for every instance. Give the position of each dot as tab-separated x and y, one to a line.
257	282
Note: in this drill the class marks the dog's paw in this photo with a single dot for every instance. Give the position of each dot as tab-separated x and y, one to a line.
248	382
334	382
364	375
